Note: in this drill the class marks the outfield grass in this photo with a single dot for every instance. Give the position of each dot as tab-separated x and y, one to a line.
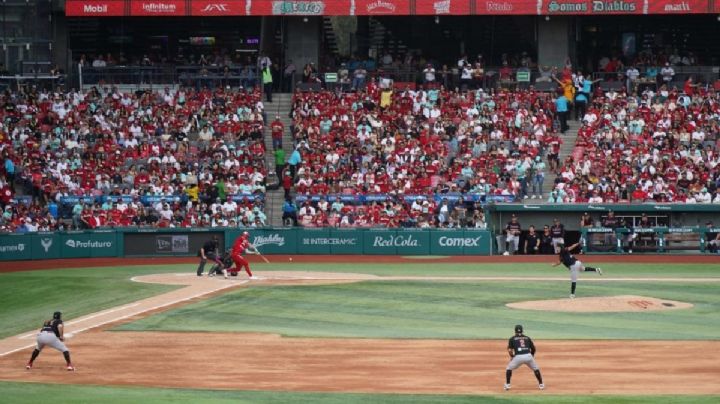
29	298
430	268
20	393
446	310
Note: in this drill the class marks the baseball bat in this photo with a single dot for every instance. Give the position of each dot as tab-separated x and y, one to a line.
261	256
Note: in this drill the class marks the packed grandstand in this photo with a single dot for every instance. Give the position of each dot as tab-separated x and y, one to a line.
380	154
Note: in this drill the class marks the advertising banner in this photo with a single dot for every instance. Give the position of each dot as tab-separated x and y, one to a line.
447	242
678	6
15	247
215	8
219	8
274	240
168	243
442	7
298	7
478	242
392	242
508	7
83	244
418	242
157	8
346	241
315	241
45	245
91	8
382	7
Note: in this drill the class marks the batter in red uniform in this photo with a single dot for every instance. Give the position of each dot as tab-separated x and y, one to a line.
241	244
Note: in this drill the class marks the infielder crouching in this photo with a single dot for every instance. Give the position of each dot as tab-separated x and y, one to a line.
51	334
522	352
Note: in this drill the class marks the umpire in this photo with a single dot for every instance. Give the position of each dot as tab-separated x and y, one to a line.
209	250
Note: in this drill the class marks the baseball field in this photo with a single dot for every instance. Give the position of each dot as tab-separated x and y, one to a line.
355	329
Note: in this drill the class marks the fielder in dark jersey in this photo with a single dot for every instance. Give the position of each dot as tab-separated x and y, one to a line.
522	352
51	334
557	231
574	265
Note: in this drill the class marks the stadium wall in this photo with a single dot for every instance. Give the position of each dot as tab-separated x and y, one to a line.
187	242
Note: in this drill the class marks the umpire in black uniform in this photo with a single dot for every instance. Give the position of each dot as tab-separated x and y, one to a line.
209	251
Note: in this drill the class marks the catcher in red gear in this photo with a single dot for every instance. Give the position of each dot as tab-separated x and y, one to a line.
239	247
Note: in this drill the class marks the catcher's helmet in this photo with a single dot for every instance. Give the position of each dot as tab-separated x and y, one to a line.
57	315
518	329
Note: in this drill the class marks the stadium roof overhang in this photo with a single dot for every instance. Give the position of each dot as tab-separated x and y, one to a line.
219	8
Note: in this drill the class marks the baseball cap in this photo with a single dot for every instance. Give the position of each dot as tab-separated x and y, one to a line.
518	329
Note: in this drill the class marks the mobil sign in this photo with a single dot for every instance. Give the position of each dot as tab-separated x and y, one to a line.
106	8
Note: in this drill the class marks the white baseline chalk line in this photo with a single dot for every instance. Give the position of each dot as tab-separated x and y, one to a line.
155	307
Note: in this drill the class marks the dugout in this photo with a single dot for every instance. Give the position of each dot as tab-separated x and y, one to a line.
674	227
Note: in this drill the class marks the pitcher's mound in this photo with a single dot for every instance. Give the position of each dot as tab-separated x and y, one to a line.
602	304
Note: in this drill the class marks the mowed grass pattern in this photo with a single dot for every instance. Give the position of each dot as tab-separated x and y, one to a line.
29	298
21	393
444	310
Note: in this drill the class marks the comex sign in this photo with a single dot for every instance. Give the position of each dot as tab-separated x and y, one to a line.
459	241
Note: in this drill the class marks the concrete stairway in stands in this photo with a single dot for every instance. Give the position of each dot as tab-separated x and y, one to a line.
280	106
568	144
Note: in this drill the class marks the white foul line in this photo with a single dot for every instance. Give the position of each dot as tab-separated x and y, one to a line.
159	306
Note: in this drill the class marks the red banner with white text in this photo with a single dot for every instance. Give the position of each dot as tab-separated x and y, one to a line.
299	7
157	8
383	7
442	7
99	8
217	8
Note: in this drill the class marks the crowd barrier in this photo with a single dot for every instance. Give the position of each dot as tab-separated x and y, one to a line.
187	242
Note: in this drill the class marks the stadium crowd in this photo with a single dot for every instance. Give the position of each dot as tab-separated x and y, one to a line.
432	143
653	146
75	160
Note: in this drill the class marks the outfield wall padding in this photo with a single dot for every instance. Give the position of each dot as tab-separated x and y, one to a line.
187	242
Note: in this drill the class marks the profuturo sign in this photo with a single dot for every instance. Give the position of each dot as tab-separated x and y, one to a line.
88	244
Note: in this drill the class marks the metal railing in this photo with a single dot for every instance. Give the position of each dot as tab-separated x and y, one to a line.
158	76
